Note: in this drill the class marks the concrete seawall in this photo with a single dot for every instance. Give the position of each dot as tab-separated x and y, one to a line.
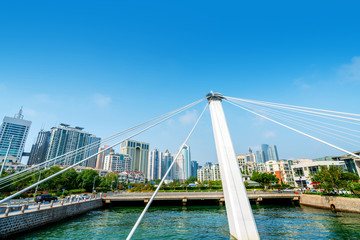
340	204
31	219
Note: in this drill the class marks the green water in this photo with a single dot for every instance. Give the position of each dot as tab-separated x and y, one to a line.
203	222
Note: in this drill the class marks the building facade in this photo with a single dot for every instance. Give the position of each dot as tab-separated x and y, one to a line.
64	139
166	161
154	164
194	168
131	177
139	153
211	173
101	156
39	149
116	162
304	168
13	133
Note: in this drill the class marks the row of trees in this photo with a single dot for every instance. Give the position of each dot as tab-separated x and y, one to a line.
334	179
68	180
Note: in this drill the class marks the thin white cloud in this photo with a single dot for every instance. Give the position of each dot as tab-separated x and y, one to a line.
43	98
351	72
189	117
101	100
30	113
269	134
300	83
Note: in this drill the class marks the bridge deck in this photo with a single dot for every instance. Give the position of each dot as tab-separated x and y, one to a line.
168	196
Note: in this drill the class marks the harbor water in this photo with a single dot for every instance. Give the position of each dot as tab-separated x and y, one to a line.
202	222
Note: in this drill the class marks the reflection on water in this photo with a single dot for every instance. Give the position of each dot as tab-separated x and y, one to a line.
204	222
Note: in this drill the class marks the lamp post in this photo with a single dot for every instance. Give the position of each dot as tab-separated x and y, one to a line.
94	184
6	155
300	184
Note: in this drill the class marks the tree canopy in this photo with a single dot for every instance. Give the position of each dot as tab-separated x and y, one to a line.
264	178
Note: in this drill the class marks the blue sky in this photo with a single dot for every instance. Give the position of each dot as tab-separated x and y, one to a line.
112	64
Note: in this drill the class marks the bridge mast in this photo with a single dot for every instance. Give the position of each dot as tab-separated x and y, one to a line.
240	217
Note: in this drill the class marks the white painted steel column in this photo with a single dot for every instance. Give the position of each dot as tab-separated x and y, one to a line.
240	217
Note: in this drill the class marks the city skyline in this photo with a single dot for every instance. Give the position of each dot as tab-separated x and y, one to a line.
134	64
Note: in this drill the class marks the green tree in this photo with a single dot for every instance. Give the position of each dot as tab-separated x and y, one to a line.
192	179
85	179
110	179
334	178
264	179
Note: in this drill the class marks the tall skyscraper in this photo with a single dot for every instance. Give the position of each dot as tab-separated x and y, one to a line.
267	153
182	166
187	160
154	164
101	156
259	155
93	140
179	168
139	153
18	129
265	148
273	153
250	156
39	149
166	161
194	168
64	139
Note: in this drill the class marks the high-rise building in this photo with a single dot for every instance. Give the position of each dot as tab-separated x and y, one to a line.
211	173
154	167
187	161
182	166
116	162
273	153
241	159
93	141
250	156
194	168
39	149
266	154
208	164
259	156
139	153
264	149
101	156
17	129
179	167
64	139
166	161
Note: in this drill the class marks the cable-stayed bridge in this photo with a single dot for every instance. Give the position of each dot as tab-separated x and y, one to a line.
306	121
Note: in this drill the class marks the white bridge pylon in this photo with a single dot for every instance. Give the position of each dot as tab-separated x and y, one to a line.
240	217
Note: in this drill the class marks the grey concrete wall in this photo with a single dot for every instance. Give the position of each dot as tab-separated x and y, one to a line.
14	224
340	204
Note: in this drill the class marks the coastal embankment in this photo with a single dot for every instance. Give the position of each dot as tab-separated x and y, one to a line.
334	203
21	221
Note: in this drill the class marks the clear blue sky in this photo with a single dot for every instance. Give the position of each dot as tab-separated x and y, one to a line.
107	65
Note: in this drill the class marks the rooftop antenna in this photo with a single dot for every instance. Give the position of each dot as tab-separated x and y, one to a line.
19	114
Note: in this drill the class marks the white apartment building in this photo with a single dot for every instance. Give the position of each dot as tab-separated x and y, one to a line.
132	177
304	168
116	162
211	173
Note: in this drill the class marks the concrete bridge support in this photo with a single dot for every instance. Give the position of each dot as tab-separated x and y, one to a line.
240	217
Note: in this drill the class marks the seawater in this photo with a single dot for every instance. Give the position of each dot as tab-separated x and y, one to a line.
203	222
